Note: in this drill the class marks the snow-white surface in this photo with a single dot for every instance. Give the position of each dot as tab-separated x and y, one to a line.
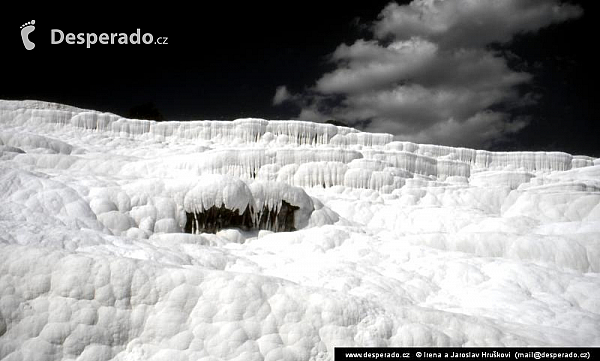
398	243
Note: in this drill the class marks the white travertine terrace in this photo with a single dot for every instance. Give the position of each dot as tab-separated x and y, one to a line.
396	243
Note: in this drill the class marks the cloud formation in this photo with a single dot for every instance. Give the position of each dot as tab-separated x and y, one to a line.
281	95
468	23
428	74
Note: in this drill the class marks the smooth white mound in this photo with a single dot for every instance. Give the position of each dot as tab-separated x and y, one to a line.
396	244
215	191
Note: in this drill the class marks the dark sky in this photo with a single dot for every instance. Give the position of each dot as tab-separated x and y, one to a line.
226	62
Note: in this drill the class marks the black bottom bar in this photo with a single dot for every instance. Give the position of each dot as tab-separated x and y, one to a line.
465	353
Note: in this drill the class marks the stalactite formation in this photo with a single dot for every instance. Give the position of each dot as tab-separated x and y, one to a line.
215	218
298	153
219	201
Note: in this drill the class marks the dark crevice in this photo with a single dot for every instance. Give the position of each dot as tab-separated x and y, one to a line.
280	220
215	219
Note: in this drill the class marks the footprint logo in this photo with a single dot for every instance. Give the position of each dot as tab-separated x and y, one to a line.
27	29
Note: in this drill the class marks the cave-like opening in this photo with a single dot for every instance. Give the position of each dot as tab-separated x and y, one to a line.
212	220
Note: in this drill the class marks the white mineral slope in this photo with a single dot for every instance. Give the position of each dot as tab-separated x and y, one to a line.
397	243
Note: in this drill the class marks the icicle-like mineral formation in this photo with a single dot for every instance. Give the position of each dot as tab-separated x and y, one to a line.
294	152
222	201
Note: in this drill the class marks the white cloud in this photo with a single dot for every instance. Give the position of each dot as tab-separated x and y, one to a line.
312	114
281	95
367	65
428	76
460	23
481	130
